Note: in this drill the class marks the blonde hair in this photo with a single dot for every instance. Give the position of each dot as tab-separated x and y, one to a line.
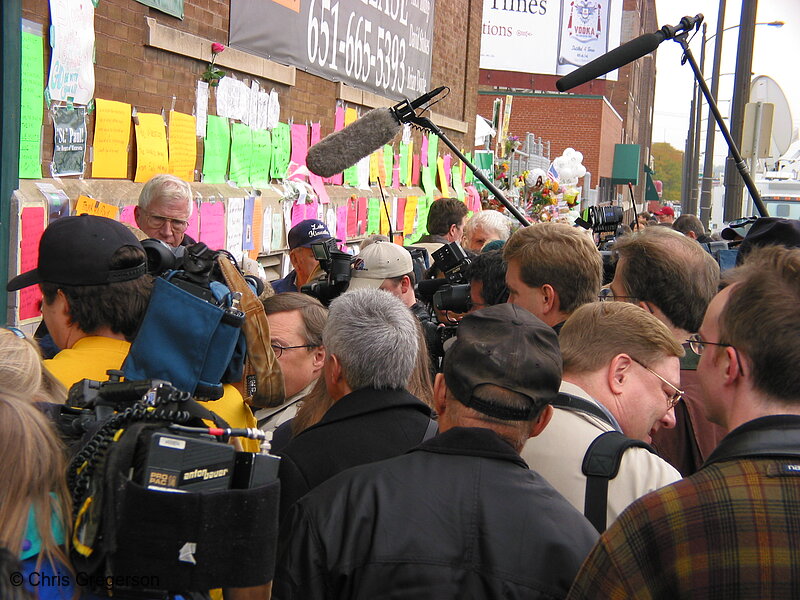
597	332
22	372
33	476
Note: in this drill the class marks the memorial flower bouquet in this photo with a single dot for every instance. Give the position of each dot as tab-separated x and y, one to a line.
213	74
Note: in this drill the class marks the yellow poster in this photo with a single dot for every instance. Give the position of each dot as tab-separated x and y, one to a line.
90	206
151	147
112	132
442	178
350	115
375	160
258	228
411	213
410	162
384	220
182	145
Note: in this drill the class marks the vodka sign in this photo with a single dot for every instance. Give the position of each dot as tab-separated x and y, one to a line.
583	34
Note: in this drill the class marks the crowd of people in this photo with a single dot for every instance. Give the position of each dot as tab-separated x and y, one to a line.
576	436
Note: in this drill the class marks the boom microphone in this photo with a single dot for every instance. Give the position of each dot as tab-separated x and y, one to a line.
627	53
361	138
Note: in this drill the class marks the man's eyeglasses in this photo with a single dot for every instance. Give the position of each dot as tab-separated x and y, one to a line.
157	222
608	295
698	344
279	349
673	399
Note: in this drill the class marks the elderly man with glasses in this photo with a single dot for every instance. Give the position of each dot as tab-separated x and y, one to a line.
165	205
621	369
731	529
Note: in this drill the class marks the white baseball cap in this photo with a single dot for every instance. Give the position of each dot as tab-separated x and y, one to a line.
379	261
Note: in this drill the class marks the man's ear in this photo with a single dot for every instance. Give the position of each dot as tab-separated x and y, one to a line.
550	300
439	394
619	372
405	284
541	422
318	359
137	212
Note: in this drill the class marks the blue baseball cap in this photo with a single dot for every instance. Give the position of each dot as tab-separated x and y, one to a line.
307	232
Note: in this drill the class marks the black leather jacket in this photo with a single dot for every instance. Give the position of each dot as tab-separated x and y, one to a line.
460	516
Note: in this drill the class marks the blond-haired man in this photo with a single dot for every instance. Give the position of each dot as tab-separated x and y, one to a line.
621	367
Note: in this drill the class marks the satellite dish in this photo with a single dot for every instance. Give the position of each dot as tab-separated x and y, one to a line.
766	89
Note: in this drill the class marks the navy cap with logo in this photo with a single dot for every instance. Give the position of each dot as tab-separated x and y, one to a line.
508	347
307	232
78	250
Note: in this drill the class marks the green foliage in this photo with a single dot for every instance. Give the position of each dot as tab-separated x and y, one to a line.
669	169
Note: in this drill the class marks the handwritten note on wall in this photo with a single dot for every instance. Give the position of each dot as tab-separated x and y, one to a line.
31	104
72	57
151	147
112	132
182	145
31	227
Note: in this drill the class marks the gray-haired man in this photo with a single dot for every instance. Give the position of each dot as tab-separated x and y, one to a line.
371	345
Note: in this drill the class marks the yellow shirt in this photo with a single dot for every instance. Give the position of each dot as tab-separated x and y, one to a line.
90	357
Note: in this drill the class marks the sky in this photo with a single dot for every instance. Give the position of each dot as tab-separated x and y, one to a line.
776	53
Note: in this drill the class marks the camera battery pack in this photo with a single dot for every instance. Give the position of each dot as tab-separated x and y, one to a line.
254	470
182	463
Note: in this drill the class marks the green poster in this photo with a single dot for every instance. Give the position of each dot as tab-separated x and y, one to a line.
423	206
484	162
281	147
405	176
215	149
241	154
458	186
429	172
171	7
468	176
373	216
388	164
31	106
262	153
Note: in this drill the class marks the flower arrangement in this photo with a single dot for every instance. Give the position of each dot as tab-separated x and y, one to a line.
511	144
213	74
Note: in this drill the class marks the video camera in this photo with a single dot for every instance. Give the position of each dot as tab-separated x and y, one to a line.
336	265
453	262
603	221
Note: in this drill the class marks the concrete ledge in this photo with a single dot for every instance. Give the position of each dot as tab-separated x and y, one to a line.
363	98
186	44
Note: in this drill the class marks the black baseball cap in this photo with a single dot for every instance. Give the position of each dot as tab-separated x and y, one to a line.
508	347
770	231
78	251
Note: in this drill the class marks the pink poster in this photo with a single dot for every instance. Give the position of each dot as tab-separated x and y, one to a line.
401	215
396	172
316	181
415	171
299	150
193	230
31	229
341	223
338	124
362	216
448	166
352	217
212	225
424	151
473	198
298	213
312	210
126	215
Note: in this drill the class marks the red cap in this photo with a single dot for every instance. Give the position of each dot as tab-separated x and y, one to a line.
665	211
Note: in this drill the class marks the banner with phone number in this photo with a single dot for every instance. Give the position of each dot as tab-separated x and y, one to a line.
383	46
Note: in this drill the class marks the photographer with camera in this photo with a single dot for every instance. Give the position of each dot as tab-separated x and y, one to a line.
552	270
305	265
93	275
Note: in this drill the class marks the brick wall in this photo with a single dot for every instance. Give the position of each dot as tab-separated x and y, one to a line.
586	123
127	70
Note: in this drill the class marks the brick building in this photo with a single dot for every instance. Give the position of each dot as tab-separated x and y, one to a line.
591	117
153	61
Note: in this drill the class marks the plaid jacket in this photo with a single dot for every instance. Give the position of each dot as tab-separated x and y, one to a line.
732	530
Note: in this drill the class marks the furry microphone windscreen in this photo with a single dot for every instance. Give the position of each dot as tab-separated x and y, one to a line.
359	139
